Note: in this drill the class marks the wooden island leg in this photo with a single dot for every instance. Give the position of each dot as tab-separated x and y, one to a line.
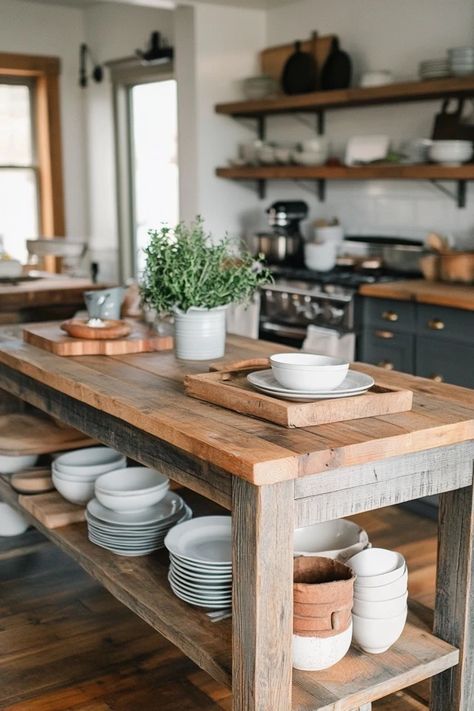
262	601
453	690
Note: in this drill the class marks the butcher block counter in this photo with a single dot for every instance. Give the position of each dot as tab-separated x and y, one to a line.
273	479
456	296
48	297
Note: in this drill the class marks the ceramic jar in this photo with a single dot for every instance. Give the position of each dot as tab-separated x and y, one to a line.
200	333
322	620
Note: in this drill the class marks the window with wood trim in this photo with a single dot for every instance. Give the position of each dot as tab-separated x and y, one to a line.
31	184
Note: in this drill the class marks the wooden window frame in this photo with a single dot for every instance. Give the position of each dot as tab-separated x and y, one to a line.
47	125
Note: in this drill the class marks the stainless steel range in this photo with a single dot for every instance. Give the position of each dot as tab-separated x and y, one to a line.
300	297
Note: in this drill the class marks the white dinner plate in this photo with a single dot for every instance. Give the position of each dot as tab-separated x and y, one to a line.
353	384
200	586
200	567
136	531
202	575
164	509
127	552
217	602
207	539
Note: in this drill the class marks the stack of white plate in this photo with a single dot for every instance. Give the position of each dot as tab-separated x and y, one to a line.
135	533
354	383
461	61
434	68
201	561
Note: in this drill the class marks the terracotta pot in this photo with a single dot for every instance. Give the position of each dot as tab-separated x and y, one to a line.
322	595
318	580
308	610
314	626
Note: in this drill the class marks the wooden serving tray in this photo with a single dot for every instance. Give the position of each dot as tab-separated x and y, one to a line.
52	510
49	337
228	387
30	434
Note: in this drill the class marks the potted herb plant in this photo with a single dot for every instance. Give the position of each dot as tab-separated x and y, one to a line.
190	276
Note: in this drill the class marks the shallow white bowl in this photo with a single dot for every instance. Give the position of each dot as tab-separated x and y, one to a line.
376	561
310	157
92	460
10	464
133	501
321	257
375	637
450	151
382	609
77	492
338	539
315	653
307	371
131	481
57	247
12	523
382	592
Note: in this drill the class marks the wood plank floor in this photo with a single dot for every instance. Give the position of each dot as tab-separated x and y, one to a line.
68	645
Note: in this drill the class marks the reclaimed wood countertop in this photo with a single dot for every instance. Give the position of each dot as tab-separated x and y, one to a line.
456	296
46	291
146	391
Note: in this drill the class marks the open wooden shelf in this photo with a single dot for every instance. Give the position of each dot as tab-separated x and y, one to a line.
346	98
385	171
141	584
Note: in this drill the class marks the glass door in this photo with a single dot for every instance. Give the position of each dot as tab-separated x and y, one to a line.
154	172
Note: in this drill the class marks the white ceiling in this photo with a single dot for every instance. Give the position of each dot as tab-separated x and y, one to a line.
168	4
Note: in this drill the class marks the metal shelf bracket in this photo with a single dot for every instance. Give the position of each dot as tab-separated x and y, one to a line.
459	196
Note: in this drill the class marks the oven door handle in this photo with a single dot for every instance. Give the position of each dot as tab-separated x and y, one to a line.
285	331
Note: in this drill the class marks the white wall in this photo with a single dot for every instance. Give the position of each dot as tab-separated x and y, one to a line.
34	28
379	34
227	41
113	31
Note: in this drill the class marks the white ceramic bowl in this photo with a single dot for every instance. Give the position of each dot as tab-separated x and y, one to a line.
376	561
382	609
310	157
140	497
320	257
450	152
132	481
338	539
73	477
375	637
77	492
12	523
315	653
58	247
12	464
307	371
315	145
282	154
376	78
90	461
382	592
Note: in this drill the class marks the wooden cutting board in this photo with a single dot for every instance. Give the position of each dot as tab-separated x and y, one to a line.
30	434
229	388
32	481
52	510
49	337
273	59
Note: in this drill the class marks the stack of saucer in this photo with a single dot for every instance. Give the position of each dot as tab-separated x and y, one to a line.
461	61
201	561
434	68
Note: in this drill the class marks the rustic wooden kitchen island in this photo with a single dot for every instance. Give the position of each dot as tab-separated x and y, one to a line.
273	479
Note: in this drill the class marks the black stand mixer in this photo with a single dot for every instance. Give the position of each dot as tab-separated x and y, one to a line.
284	245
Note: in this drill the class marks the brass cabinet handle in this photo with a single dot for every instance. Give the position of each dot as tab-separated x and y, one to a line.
437	378
436	324
390	316
386	335
387	364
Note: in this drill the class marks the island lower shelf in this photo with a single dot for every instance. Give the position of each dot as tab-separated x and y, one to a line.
142	585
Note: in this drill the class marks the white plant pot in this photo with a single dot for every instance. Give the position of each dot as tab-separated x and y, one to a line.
200	333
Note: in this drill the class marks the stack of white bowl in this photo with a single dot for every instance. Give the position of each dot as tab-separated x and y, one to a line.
11	464
74	473
312	152
461	61
259	87
133	511
380	598
434	68
201	561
